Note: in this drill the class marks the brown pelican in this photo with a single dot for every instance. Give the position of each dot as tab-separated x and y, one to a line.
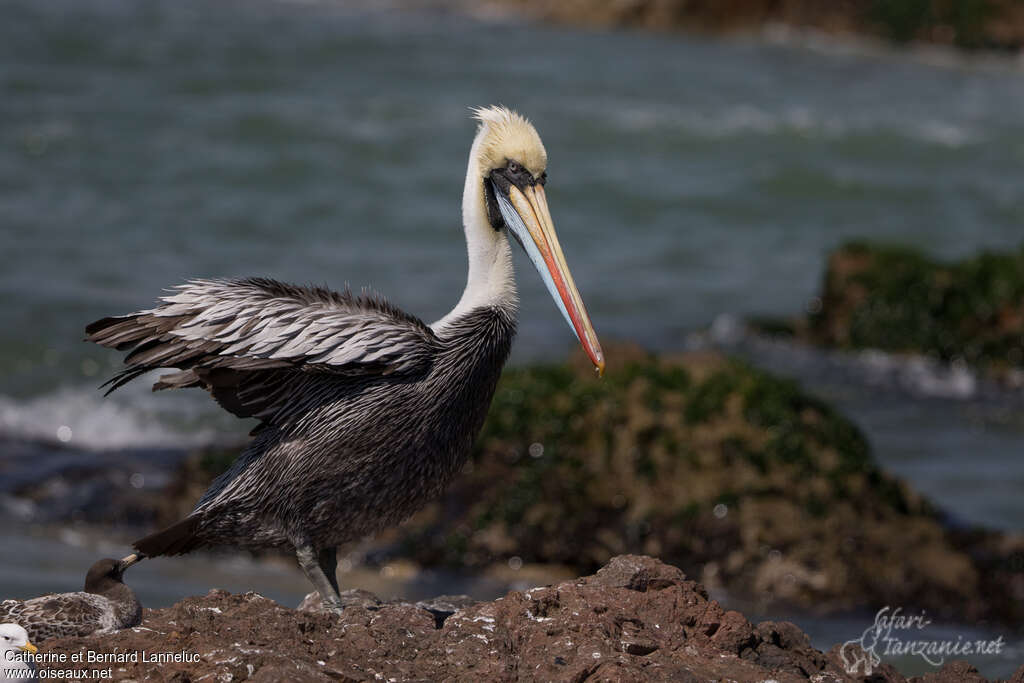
105	605
366	413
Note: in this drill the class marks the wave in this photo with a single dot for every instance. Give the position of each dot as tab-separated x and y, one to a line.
910	374
132	418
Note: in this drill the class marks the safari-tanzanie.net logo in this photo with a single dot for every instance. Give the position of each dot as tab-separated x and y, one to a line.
895	634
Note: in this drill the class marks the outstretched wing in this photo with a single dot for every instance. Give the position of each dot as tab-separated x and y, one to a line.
254	343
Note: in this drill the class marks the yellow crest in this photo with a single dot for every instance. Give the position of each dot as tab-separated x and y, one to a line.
507	136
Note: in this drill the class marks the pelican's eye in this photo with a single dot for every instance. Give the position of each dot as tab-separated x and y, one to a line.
516	174
543	178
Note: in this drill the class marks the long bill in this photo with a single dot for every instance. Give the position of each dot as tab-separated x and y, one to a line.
526	213
129	561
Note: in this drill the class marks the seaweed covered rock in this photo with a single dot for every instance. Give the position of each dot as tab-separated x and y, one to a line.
968	24
733	474
898	299
194	476
728	472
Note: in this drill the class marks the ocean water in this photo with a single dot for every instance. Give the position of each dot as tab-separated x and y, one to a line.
144	142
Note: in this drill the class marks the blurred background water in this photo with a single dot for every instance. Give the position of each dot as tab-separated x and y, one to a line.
143	143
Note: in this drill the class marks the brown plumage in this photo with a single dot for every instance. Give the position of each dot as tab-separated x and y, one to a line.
105	605
366	412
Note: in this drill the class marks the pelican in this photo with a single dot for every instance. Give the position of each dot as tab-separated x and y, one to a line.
365	412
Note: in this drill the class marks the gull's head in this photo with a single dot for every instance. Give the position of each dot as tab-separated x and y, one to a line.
511	167
14	637
106	572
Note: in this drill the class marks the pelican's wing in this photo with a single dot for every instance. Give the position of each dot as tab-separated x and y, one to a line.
254	343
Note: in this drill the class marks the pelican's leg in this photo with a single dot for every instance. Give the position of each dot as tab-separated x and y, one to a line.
311	566
328	560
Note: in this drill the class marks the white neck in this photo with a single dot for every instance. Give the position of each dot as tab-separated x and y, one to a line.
491	281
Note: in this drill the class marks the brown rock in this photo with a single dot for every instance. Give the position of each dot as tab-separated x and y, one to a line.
991	24
958	672
636	619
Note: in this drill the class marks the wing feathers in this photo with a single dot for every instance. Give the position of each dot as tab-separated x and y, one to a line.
243	338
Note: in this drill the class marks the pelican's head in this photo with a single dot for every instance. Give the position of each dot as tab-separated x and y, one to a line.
14	637
511	166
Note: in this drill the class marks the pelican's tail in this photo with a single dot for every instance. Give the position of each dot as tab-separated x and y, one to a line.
179	538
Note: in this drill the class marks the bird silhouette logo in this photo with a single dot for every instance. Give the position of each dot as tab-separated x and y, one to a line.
859	653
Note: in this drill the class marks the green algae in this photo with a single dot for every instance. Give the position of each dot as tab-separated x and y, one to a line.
898	299
701	460
906	20
737	476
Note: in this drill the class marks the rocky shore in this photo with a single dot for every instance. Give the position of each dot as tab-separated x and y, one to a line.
968	24
635	619
733	474
966	313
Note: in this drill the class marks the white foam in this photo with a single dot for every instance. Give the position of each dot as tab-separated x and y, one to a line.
916	374
83	417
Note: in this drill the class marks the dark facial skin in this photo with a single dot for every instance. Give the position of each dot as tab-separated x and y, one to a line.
501	179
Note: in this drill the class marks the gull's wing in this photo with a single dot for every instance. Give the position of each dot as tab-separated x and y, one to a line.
256	344
58	615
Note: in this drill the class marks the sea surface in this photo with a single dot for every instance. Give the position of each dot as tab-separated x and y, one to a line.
144	142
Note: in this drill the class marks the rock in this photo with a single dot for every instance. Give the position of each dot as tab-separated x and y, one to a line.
735	475
967	313
443	606
48	483
440	607
958	671
635	619
991	24
354	597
